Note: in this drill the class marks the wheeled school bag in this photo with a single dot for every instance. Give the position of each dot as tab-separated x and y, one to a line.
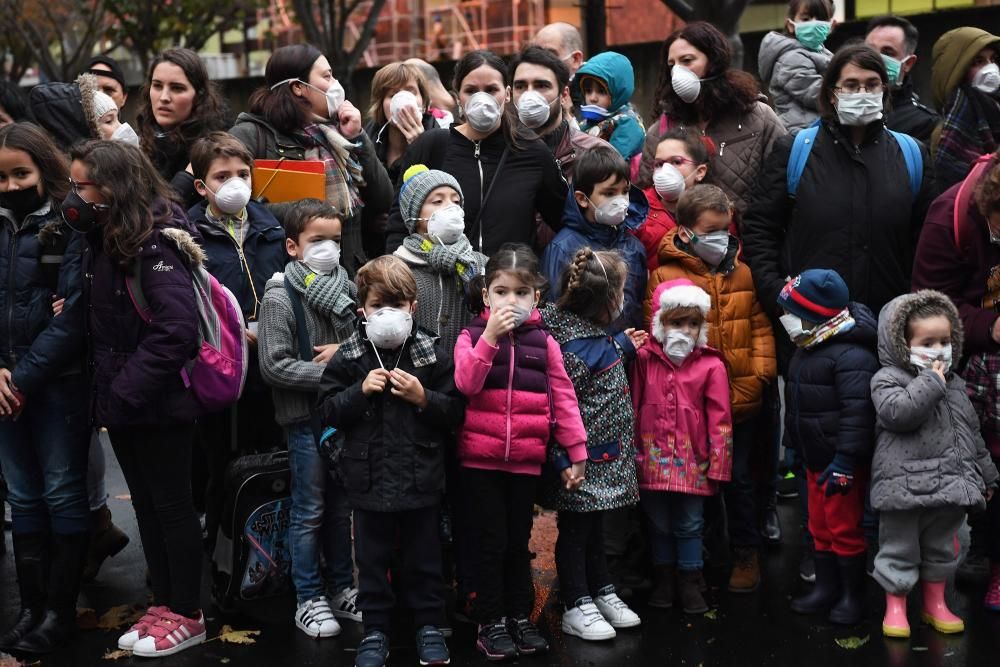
252	557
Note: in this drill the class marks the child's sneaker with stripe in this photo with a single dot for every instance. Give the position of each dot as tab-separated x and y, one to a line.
171	633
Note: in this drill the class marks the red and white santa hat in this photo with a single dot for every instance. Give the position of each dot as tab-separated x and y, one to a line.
679	293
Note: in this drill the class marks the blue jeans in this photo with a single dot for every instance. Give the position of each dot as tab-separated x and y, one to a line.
320	522
44	459
676	522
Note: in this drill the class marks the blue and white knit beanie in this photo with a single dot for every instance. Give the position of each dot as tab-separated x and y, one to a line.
418	183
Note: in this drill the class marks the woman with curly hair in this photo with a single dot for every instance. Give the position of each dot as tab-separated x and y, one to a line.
698	89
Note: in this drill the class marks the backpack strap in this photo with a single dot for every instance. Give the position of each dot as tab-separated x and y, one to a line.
801	148
964	196
305	347
53	249
914	160
133	283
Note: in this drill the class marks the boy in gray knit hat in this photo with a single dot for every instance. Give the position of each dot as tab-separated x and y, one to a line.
437	250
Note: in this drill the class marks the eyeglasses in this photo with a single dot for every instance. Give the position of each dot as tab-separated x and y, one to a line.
852	87
675	160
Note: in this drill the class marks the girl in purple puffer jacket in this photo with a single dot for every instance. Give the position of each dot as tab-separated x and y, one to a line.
511	370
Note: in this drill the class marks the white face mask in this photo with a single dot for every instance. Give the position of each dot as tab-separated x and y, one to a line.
447	224
483	112
793	326
924	357
521	313
388	328
233	196
401	100
669	182
335	95
987	79
532	109
322	256
685	83
677	346
612	212
859	109
711	247
126	134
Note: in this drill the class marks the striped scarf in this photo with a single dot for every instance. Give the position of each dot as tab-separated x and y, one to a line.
344	176
331	296
837	324
457	259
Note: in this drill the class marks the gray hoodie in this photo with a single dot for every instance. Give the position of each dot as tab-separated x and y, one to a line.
793	74
928	450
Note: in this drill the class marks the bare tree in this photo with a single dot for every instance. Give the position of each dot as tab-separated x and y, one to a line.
15	54
723	14
326	24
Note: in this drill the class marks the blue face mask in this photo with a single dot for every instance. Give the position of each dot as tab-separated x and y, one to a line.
892	68
812	34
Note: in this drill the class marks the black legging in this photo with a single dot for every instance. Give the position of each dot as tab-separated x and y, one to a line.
580	559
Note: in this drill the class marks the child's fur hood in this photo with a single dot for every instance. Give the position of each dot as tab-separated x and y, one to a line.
893	348
186	244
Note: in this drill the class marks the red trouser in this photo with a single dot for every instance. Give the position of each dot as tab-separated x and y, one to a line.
835	521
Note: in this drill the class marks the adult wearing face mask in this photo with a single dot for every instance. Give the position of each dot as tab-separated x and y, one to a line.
857	207
507	175
896	39
301	114
698	90
965	81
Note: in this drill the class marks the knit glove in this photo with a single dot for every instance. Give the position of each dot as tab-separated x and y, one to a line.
838	476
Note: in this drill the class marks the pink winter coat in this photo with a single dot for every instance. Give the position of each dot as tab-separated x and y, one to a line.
507	428
684	429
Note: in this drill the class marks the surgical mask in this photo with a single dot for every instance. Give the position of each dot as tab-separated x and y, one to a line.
521	314
678	346
594	112
892	67
669	182
335	95
859	109
22	202
793	326
126	134
924	357
685	83
812	34
400	101
80	215
612	212
532	109
322	256
483	112
232	196
711	247
447	224
388	328
987	80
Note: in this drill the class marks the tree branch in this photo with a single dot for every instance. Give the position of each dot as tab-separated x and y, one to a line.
367	30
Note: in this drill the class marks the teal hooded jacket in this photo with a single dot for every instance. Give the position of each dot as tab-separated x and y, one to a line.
623	129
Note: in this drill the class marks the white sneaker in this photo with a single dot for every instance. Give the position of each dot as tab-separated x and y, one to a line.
345	605
586	622
616	612
315	618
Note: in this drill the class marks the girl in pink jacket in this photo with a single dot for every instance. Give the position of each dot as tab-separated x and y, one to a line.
519	395
683	437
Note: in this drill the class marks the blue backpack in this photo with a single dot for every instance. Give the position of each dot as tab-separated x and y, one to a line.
805	139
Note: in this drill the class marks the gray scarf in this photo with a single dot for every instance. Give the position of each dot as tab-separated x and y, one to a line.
458	259
332	296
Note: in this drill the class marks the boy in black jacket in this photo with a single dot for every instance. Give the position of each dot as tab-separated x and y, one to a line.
390	390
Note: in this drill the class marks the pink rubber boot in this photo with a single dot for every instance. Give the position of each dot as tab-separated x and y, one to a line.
895	623
936	612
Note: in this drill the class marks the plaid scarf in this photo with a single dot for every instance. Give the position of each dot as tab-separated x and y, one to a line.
837	324
421	347
457	259
332	296
967	132
603	129
344	176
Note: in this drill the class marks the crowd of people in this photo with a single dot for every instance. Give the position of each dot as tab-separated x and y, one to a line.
522	291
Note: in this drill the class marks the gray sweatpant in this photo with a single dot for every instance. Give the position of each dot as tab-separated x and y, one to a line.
916	544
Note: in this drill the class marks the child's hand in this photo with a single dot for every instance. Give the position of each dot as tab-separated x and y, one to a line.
637	336
375	382
324	353
938	367
408	388
501	323
57	305
573	476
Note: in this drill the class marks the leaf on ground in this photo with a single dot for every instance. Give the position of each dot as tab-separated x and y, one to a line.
852	643
118	617
86	619
712	614
116	655
230	636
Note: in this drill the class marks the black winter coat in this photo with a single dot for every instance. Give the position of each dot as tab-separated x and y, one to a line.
35	345
828	405
909	115
380	137
393	452
530	181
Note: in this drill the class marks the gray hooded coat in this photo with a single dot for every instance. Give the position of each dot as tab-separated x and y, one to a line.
793	74
928	450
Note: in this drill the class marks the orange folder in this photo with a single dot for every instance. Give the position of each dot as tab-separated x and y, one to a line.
289	180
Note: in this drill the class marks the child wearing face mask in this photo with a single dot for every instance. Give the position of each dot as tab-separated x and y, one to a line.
437	251
683	438
244	246
511	372
702	250
607	82
830	422
600	211
931	464
792	62
390	391
320	518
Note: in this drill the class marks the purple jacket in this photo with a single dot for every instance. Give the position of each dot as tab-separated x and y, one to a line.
136	367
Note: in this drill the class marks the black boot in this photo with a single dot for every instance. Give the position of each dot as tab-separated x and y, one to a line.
59	623
770	528
826	590
106	540
850	609
30	561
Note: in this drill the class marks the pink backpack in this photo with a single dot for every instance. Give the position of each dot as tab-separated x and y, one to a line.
963	197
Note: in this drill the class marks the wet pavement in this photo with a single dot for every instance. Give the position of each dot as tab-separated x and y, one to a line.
747	630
